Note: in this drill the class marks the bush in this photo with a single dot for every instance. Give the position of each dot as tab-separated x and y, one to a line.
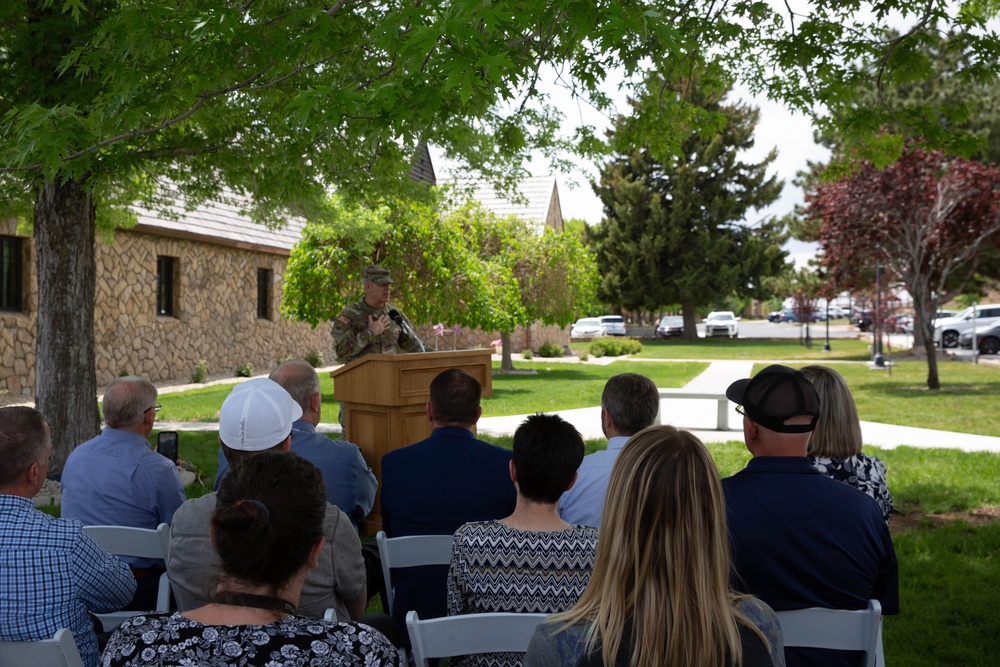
584	356
526	353
245	370
550	350
615	347
200	372
314	358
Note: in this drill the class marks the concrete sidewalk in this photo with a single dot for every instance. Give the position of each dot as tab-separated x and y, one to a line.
699	417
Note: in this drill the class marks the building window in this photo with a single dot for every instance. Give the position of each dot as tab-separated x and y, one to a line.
263	294
11	272
165	285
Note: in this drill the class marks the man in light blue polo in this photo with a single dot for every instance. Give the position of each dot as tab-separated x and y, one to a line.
350	483
116	479
629	404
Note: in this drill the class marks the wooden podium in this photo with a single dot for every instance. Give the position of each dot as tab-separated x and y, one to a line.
385	397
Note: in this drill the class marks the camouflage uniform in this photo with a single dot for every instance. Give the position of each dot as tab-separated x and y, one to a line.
352	337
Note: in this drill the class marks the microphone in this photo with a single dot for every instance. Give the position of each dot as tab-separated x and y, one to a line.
397	317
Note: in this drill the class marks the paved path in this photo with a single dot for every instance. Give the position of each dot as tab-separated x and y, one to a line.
699	417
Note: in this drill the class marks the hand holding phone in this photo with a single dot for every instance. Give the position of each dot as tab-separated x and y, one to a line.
166	444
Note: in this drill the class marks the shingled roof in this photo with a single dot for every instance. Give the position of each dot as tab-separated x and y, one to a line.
541	193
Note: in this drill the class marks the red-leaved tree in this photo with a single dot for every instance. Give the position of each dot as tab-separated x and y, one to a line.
926	218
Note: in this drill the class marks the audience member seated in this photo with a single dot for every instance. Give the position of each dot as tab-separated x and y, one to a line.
350	483
835	445
629	404
116	479
531	561
52	573
257	416
799	538
434	486
267	529
659	593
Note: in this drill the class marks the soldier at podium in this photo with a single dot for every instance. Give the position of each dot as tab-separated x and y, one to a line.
370	326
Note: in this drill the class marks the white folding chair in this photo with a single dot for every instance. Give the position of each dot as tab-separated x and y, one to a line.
469	634
60	651
141	543
842	629
410	551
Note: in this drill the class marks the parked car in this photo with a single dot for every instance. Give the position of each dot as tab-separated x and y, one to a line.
836	312
901	323
788	315
775	315
722	323
987	339
587	326
614	325
670	326
948	330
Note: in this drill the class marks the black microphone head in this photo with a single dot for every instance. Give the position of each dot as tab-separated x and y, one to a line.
395	316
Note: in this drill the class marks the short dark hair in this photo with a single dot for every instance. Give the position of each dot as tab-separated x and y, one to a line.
547	452
235	457
268	515
632	401
455	397
24	439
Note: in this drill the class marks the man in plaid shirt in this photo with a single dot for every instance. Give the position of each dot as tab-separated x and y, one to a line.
52	574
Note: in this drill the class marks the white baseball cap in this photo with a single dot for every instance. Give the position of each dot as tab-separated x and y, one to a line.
257	415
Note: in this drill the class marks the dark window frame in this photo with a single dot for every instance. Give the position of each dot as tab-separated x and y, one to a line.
264	280
166	275
11	273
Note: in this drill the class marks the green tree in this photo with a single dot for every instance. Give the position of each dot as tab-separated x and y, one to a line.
101	101
467	266
672	233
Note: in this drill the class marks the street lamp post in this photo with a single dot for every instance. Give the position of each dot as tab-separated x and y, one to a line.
826	345
878	359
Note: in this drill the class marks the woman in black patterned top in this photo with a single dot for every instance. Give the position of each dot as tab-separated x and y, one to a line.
531	561
267	530
835	445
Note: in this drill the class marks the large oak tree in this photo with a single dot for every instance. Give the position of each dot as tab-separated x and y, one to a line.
102	100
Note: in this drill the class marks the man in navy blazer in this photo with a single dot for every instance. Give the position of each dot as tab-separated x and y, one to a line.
434	486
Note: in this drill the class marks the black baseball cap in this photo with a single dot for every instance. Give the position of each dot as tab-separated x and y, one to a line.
774	395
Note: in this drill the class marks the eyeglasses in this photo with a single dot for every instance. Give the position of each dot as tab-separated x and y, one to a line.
739	409
155	407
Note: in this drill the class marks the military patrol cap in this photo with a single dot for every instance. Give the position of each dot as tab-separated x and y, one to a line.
377	275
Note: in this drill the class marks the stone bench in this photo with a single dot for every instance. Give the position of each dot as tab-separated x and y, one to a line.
723	413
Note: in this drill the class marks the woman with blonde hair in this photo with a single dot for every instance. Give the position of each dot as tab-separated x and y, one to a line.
835	445
659	593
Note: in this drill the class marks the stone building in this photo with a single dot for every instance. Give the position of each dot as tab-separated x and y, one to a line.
169	293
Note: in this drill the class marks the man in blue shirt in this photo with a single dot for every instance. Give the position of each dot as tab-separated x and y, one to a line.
434	486
801	539
630	403
52	574
350	483
116	479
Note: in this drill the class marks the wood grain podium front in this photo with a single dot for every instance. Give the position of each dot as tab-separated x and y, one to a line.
385	398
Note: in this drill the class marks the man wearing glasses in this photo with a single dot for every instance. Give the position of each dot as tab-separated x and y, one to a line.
116	479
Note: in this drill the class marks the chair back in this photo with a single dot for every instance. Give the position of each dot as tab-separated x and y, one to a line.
469	634
140	543
410	551
60	651
842	629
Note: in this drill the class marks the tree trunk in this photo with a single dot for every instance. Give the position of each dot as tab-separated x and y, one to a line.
65	379
690	325
933	382
506	363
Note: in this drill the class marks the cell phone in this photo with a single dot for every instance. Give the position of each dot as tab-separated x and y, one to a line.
166	444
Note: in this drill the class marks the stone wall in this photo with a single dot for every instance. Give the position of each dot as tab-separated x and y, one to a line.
215	316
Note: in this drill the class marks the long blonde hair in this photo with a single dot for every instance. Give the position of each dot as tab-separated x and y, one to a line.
663	559
838	431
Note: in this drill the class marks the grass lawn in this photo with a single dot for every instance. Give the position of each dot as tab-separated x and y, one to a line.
949	569
551	386
967	401
725	348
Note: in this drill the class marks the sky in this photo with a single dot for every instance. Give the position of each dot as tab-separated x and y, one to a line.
790	133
